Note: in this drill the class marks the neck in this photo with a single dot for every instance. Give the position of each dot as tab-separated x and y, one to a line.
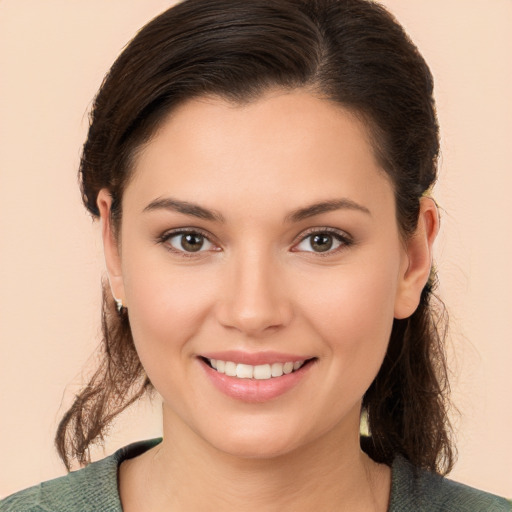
184	472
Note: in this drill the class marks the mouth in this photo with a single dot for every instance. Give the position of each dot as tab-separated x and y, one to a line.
257	372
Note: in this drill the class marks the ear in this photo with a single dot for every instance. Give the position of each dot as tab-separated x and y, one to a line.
415	272
110	246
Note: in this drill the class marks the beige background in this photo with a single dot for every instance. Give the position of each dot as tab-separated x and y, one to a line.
53	55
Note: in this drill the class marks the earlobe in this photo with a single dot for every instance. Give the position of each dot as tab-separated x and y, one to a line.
419	258
111	247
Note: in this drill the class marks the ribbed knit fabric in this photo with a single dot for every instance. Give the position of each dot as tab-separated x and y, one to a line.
91	489
417	490
94	489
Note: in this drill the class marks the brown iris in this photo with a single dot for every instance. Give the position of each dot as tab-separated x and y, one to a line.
192	242
321	242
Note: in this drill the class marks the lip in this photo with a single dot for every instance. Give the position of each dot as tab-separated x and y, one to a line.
254	390
254	359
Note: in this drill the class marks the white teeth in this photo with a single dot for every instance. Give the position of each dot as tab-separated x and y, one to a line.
260	372
230	369
244	371
277	370
287	368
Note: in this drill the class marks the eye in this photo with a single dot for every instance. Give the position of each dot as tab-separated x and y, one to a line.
326	241
187	242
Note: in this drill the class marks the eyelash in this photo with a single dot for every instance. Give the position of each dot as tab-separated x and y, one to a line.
163	239
344	239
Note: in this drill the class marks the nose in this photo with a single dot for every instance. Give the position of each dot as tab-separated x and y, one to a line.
254	297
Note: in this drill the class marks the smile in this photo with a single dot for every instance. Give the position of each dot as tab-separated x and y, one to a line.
271	375
259	372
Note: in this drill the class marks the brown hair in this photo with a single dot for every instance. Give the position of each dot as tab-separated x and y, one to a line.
350	51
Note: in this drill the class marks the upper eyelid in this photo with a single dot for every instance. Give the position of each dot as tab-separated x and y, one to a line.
179	231
335	231
341	236
192	229
299	238
166	236
185	231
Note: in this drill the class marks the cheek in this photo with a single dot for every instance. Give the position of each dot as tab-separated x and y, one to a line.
167	305
352	299
352	312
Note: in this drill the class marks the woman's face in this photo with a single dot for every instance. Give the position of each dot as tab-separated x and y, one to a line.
256	236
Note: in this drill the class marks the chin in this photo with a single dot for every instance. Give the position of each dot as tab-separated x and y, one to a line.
256	451
264	444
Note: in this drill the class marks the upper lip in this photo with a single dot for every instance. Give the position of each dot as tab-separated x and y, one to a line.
254	358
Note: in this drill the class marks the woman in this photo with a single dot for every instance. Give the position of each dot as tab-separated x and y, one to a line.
261	171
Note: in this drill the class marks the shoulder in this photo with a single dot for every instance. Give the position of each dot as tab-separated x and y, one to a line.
92	488
78	490
423	491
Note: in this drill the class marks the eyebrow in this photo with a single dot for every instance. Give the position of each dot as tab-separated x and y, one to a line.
185	207
324	207
188	208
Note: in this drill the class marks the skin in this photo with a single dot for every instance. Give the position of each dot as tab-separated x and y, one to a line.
258	284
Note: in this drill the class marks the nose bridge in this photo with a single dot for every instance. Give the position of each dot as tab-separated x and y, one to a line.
255	294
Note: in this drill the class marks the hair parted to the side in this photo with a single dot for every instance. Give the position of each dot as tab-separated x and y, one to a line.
351	52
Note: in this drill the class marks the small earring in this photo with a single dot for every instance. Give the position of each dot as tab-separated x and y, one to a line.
119	304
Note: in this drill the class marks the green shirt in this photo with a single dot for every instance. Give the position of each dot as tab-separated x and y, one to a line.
95	489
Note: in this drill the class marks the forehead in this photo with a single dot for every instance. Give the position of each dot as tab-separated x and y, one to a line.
288	146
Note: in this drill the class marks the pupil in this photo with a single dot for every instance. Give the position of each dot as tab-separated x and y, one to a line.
192	242
322	243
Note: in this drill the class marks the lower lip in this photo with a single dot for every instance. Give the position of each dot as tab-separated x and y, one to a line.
255	390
